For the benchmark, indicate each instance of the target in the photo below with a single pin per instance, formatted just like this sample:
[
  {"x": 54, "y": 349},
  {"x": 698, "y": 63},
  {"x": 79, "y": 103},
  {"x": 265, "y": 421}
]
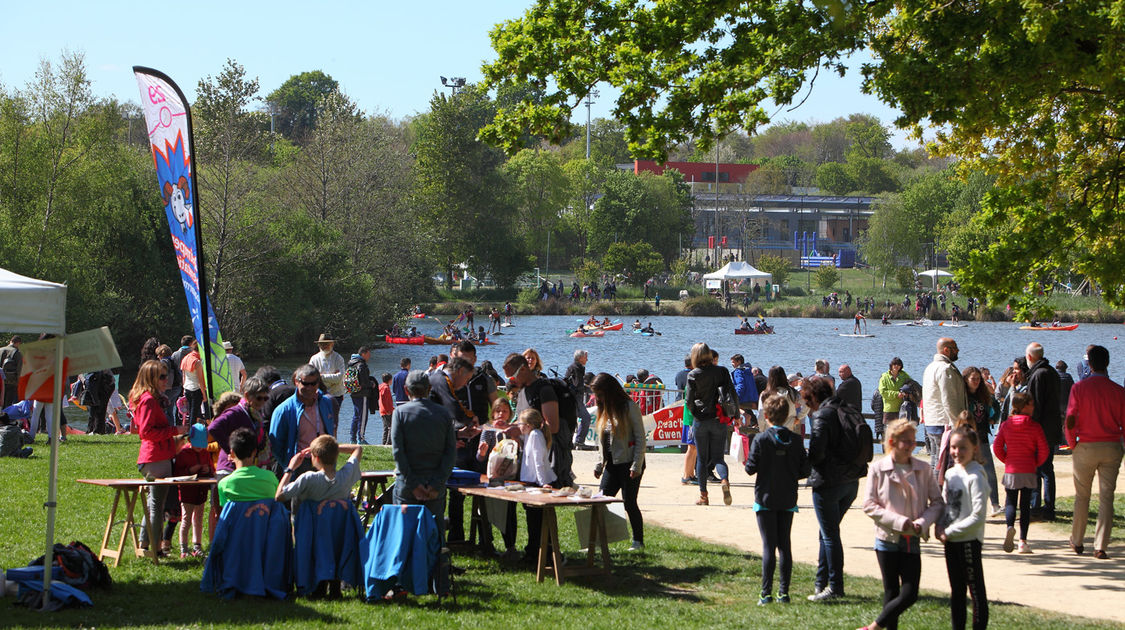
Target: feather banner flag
[{"x": 168, "y": 120}]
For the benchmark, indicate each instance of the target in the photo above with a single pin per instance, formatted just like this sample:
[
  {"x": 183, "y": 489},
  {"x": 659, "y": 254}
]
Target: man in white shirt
[
  {"x": 943, "y": 396},
  {"x": 237, "y": 367},
  {"x": 331, "y": 367}
]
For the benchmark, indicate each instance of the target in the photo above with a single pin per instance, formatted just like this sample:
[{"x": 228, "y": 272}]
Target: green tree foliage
[
  {"x": 872, "y": 175},
  {"x": 833, "y": 178},
  {"x": 826, "y": 277},
  {"x": 461, "y": 193},
  {"x": 867, "y": 138},
  {"x": 891, "y": 237},
  {"x": 296, "y": 102},
  {"x": 653, "y": 207},
  {"x": 539, "y": 189},
  {"x": 1028, "y": 92},
  {"x": 637, "y": 262},
  {"x": 776, "y": 266}
]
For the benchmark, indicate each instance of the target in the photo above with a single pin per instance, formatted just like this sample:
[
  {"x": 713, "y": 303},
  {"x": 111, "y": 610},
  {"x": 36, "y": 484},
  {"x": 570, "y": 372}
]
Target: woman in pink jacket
[
  {"x": 1022, "y": 446},
  {"x": 158, "y": 440},
  {"x": 904, "y": 499}
]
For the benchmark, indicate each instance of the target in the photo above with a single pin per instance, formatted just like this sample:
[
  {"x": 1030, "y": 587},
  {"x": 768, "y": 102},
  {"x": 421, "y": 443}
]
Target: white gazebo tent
[
  {"x": 934, "y": 274},
  {"x": 739, "y": 270},
  {"x": 36, "y": 306}
]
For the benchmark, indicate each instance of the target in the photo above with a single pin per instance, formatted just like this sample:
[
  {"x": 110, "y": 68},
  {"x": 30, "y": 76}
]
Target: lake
[{"x": 798, "y": 342}]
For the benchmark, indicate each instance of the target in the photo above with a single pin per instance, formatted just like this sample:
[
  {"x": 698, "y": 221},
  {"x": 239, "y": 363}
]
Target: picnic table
[
  {"x": 372, "y": 484},
  {"x": 130, "y": 490},
  {"x": 549, "y": 533}
]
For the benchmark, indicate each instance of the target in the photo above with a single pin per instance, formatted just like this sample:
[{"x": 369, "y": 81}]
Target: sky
[{"x": 387, "y": 56}]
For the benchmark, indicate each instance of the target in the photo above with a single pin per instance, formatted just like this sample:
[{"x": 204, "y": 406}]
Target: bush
[
  {"x": 776, "y": 266},
  {"x": 826, "y": 277},
  {"x": 905, "y": 278},
  {"x": 703, "y": 306},
  {"x": 529, "y": 295}
]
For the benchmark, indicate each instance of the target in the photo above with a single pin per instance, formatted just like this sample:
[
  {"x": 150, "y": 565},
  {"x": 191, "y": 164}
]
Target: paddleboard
[
  {"x": 854, "y": 335},
  {"x": 506, "y": 325},
  {"x": 944, "y": 325}
]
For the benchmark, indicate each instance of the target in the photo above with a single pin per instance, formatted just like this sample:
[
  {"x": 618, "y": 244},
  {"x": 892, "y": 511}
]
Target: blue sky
[{"x": 388, "y": 56}]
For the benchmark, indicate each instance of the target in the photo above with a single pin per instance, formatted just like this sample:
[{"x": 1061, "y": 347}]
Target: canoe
[
  {"x": 578, "y": 334},
  {"x": 1068, "y": 327},
  {"x": 407, "y": 341},
  {"x": 743, "y": 331},
  {"x": 419, "y": 316},
  {"x": 617, "y": 326},
  {"x": 436, "y": 341}
]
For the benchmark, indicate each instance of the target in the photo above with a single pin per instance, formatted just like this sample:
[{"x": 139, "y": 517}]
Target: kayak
[
  {"x": 638, "y": 331},
  {"x": 617, "y": 326},
  {"x": 743, "y": 331},
  {"x": 408, "y": 341},
  {"x": 1068, "y": 327},
  {"x": 578, "y": 334},
  {"x": 419, "y": 316},
  {"x": 436, "y": 341}
]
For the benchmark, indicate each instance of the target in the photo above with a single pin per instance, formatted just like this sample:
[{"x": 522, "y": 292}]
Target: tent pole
[{"x": 53, "y": 481}]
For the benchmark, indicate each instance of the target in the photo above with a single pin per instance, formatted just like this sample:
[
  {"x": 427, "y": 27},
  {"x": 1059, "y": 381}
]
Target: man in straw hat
[
  {"x": 237, "y": 367},
  {"x": 331, "y": 367}
]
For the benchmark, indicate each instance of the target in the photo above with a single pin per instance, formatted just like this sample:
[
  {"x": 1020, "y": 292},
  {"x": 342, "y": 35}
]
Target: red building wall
[{"x": 694, "y": 171}]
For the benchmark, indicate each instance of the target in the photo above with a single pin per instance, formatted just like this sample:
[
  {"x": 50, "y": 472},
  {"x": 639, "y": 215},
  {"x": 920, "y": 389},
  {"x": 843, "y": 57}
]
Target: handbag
[{"x": 728, "y": 403}]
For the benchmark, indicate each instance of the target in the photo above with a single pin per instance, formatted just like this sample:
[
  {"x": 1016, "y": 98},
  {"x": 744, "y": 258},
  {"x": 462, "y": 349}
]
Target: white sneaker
[
  {"x": 637, "y": 546},
  {"x": 997, "y": 512},
  {"x": 1024, "y": 547},
  {"x": 1010, "y": 540}
]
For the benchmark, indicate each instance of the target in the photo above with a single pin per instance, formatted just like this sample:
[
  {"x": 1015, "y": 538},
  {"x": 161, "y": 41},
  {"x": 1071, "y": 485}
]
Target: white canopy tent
[
  {"x": 36, "y": 306},
  {"x": 934, "y": 274},
  {"x": 739, "y": 270}
]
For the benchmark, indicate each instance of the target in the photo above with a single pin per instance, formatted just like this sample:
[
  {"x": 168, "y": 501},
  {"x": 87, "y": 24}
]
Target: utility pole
[{"x": 589, "y": 101}]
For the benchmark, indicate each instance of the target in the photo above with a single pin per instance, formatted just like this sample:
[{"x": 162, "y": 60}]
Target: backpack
[
  {"x": 80, "y": 566},
  {"x": 568, "y": 404},
  {"x": 175, "y": 378},
  {"x": 11, "y": 366},
  {"x": 504, "y": 461},
  {"x": 856, "y": 437},
  {"x": 351, "y": 379}
]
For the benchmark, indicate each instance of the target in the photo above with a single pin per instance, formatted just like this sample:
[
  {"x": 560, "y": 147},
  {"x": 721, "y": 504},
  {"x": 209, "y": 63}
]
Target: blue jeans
[
  {"x": 359, "y": 417},
  {"x": 990, "y": 470},
  {"x": 831, "y": 503},
  {"x": 933, "y": 445},
  {"x": 1044, "y": 495},
  {"x": 583, "y": 424},
  {"x": 710, "y": 436}
]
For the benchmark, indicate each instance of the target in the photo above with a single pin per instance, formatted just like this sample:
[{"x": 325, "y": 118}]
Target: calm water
[{"x": 795, "y": 347}]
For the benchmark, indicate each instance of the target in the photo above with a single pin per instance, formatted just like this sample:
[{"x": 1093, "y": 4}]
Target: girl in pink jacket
[
  {"x": 1022, "y": 446},
  {"x": 904, "y": 499}
]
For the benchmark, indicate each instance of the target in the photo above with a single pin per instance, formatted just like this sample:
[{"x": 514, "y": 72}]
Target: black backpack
[
  {"x": 11, "y": 366},
  {"x": 80, "y": 566},
  {"x": 568, "y": 405},
  {"x": 857, "y": 440}
]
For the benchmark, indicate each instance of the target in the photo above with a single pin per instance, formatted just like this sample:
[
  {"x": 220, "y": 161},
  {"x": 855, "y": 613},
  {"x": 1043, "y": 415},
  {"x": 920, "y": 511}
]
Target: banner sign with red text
[{"x": 168, "y": 120}]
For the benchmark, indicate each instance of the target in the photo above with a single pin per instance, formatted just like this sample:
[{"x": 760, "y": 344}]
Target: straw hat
[
  {"x": 228, "y": 346},
  {"x": 325, "y": 338}
]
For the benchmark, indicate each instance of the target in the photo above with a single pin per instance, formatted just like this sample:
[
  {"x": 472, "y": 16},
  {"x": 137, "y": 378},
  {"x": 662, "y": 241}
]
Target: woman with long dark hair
[
  {"x": 778, "y": 383},
  {"x": 984, "y": 411},
  {"x": 704, "y": 382},
  {"x": 621, "y": 446}
]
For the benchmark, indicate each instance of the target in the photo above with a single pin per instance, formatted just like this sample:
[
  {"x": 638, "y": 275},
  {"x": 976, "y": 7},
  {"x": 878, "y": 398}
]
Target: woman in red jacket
[
  {"x": 158, "y": 441},
  {"x": 1022, "y": 446}
]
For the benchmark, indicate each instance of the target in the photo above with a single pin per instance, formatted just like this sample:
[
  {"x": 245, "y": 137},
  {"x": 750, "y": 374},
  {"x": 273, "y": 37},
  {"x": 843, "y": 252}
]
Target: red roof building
[{"x": 698, "y": 171}]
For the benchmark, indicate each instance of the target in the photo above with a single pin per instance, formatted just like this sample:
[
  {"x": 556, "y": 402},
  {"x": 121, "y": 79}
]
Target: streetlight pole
[
  {"x": 453, "y": 83},
  {"x": 589, "y": 102}
]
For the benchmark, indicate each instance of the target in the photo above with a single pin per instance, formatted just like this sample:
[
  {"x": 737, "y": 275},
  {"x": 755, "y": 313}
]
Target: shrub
[
  {"x": 905, "y": 278},
  {"x": 528, "y": 295},
  {"x": 704, "y": 305},
  {"x": 776, "y": 266},
  {"x": 826, "y": 277}
]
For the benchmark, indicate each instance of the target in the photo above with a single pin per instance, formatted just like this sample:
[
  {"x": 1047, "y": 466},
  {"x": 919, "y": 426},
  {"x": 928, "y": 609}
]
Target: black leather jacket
[
  {"x": 703, "y": 389},
  {"x": 828, "y": 468}
]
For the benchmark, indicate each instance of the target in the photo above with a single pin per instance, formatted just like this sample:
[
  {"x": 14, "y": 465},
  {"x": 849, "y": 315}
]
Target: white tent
[
  {"x": 36, "y": 306},
  {"x": 934, "y": 274},
  {"x": 738, "y": 270}
]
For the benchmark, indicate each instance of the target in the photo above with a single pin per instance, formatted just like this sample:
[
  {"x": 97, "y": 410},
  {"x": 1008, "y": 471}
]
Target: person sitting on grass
[
  {"x": 247, "y": 482},
  {"x": 13, "y": 440},
  {"x": 325, "y": 483}
]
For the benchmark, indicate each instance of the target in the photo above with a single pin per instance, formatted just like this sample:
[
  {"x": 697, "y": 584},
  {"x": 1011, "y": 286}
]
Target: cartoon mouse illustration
[{"x": 178, "y": 195}]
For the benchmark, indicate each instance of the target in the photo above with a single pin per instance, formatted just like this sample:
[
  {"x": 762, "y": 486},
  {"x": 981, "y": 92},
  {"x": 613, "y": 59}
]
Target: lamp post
[
  {"x": 453, "y": 83},
  {"x": 589, "y": 101}
]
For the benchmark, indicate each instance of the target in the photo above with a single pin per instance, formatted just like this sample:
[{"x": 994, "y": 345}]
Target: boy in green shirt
[{"x": 247, "y": 482}]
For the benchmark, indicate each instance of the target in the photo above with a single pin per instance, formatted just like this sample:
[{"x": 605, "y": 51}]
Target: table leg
[
  {"x": 551, "y": 528},
  {"x": 597, "y": 524},
  {"x": 478, "y": 523},
  {"x": 107, "y": 551}
]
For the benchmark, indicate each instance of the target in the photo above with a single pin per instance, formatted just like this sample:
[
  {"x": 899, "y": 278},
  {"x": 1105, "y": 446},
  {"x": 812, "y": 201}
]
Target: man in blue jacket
[{"x": 298, "y": 420}]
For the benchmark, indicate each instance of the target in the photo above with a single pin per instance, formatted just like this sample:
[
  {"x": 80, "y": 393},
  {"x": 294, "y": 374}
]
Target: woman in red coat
[{"x": 158, "y": 441}]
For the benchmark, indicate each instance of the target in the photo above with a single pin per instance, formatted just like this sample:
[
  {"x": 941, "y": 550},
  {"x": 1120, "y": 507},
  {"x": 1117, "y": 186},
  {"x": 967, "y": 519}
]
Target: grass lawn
[
  {"x": 1064, "y": 514},
  {"x": 678, "y": 583}
]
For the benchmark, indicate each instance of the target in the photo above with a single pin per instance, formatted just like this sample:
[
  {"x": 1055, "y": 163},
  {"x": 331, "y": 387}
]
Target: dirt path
[{"x": 1052, "y": 577}]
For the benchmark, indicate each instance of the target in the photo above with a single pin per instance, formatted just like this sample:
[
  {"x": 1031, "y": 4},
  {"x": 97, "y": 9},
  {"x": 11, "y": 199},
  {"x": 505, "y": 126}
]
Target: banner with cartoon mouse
[{"x": 168, "y": 120}]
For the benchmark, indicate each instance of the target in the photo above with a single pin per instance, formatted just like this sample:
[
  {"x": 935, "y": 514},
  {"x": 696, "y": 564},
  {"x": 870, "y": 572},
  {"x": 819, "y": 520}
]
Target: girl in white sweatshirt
[{"x": 962, "y": 527}]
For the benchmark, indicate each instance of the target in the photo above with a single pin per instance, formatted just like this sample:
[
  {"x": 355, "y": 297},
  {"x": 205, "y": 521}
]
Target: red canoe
[
  {"x": 407, "y": 341},
  {"x": 419, "y": 315},
  {"x": 743, "y": 331},
  {"x": 1068, "y": 327}
]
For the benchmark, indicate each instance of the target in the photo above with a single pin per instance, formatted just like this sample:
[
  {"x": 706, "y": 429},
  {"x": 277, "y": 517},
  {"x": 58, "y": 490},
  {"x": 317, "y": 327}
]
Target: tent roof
[
  {"x": 737, "y": 270},
  {"x": 936, "y": 273},
  {"x": 30, "y": 305}
]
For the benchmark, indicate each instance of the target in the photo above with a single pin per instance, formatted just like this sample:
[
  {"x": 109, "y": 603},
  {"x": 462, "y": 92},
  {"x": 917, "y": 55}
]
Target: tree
[
  {"x": 826, "y": 277},
  {"x": 637, "y": 262},
  {"x": 655, "y": 208},
  {"x": 776, "y": 266},
  {"x": 463, "y": 199},
  {"x": 834, "y": 179},
  {"x": 871, "y": 175},
  {"x": 539, "y": 189},
  {"x": 891, "y": 237},
  {"x": 295, "y": 103},
  {"x": 1026, "y": 91}
]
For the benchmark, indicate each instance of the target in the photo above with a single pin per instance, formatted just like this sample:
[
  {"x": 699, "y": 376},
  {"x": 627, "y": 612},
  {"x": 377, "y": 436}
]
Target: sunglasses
[{"x": 309, "y": 383}]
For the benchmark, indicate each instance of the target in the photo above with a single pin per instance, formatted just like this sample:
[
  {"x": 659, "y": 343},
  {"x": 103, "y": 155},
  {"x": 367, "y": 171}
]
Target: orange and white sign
[{"x": 87, "y": 351}]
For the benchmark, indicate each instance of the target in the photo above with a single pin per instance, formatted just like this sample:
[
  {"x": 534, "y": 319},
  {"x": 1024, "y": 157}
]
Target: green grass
[
  {"x": 680, "y": 582},
  {"x": 1064, "y": 517}
]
